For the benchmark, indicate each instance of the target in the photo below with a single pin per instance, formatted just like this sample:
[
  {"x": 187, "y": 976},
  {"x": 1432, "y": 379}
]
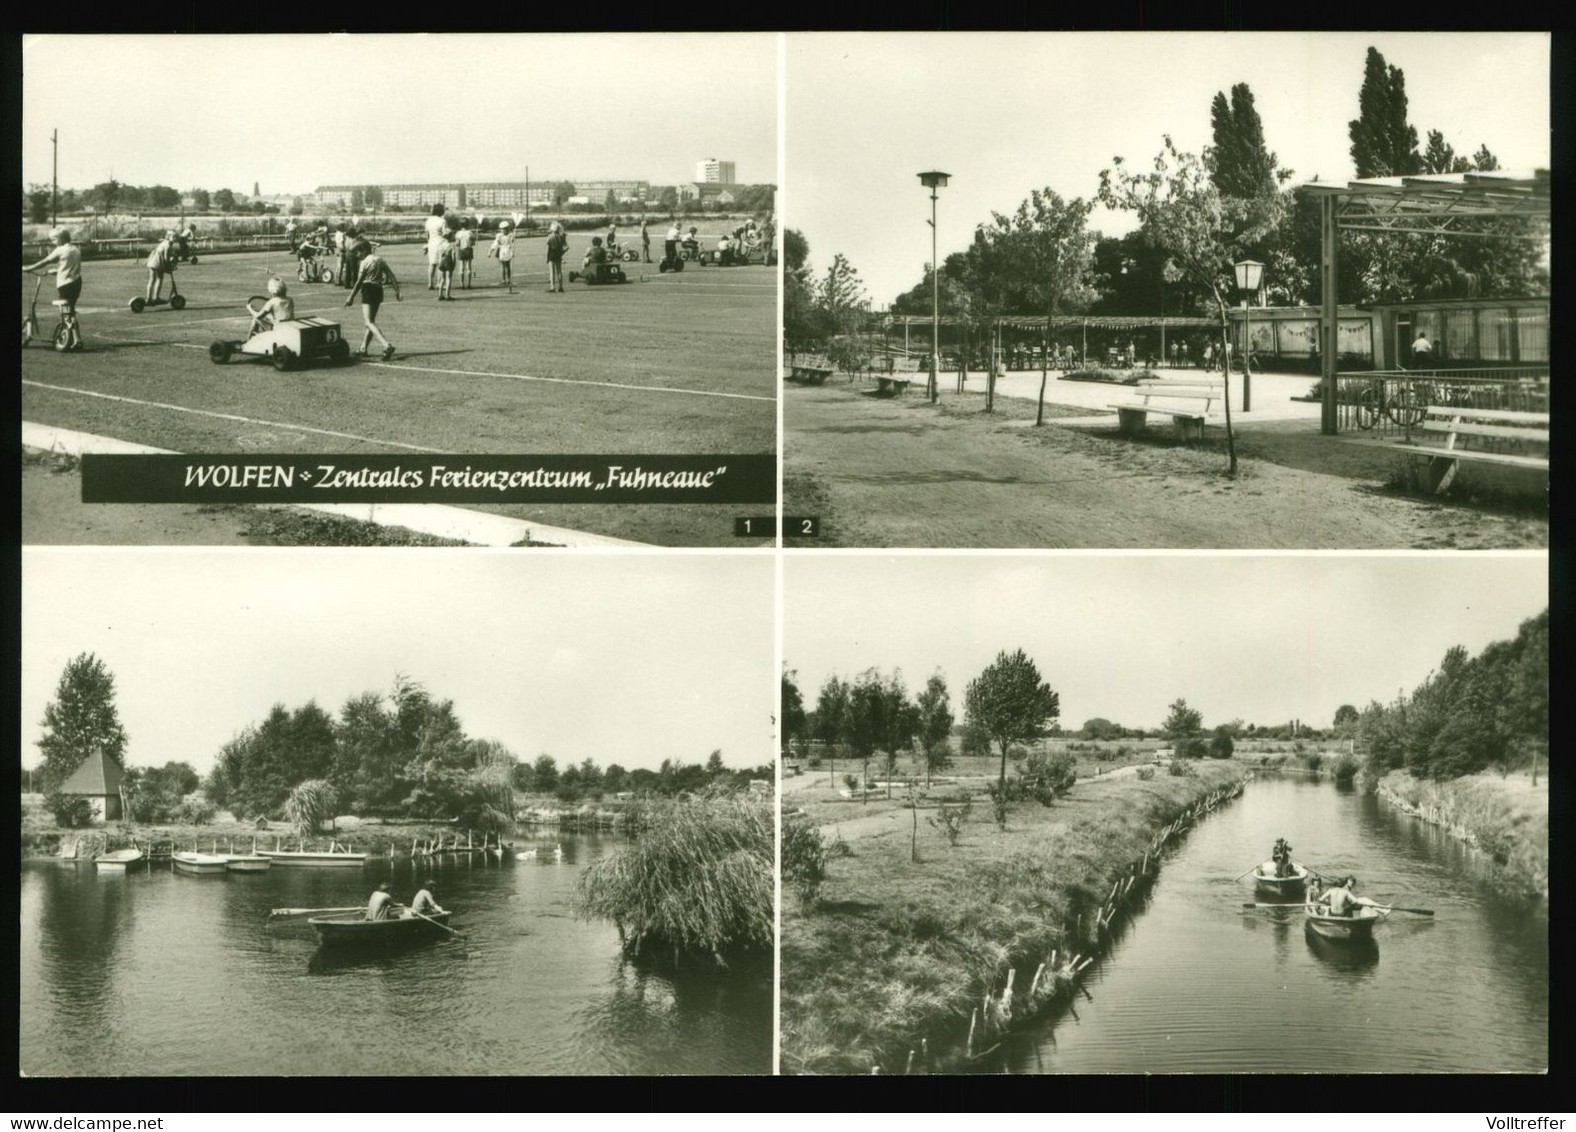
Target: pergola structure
[{"x": 1485, "y": 206}]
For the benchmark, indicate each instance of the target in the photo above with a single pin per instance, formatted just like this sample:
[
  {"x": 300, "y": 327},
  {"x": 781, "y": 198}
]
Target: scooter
[
  {"x": 30, "y": 323},
  {"x": 175, "y": 302}
]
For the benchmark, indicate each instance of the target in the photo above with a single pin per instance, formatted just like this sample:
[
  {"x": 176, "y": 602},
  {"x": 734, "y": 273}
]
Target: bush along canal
[{"x": 931, "y": 965}]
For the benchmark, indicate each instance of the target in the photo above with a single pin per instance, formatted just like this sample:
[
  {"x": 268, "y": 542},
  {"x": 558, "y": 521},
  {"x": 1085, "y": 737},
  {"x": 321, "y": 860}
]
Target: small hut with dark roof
[{"x": 98, "y": 780}]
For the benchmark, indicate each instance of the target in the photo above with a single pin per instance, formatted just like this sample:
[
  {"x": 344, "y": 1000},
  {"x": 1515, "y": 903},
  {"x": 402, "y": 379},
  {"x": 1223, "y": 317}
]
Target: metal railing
[{"x": 1393, "y": 403}]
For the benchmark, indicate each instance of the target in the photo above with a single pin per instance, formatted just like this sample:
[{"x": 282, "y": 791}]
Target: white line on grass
[
  {"x": 231, "y": 417},
  {"x": 574, "y": 381}
]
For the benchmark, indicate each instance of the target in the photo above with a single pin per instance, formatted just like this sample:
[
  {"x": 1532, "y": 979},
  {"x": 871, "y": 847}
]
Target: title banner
[{"x": 296, "y": 478}]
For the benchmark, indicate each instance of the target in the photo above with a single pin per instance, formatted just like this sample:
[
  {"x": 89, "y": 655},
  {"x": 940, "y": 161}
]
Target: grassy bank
[
  {"x": 1506, "y": 818},
  {"x": 945, "y": 953}
]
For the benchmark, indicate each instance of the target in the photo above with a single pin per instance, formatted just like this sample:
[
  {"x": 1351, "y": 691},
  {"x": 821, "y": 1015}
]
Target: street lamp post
[
  {"x": 1250, "y": 274},
  {"x": 933, "y": 181}
]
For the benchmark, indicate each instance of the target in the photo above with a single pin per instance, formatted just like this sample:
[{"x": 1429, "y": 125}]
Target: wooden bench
[
  {"x": 1501, "y": 428},
  {"x": 811, "y": 369},
  {"x": 902, "y": 374},
  {"x": 1187, "y": 401}
]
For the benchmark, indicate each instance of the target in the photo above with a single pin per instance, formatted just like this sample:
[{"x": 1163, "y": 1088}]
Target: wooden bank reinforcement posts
[{"x": 1025, "y": 994}]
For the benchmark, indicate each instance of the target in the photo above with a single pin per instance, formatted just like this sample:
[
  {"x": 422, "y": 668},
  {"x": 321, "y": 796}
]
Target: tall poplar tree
[{"x": 1383, "y": 144}]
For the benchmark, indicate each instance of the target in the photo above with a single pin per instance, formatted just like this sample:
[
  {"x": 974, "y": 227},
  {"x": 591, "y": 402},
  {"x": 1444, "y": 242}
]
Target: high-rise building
[{"x": 715, "y": 172}]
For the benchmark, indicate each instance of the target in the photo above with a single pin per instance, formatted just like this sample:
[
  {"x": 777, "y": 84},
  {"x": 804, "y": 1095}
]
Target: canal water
[
  {"x": 1195, "y": 983},
  {"x": 153, "y": 972}
]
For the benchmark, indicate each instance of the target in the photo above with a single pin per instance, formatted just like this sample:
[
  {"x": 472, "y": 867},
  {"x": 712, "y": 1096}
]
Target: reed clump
[{"x": 696, "y": 882}]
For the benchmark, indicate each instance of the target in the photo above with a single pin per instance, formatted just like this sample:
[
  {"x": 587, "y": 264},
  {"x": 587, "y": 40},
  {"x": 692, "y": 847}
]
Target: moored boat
[
  {"x": 120, "y": 858},
  {"x": 357, "y": 931},
  {"x": 199, "y": 864},
  {"x": 1289, "y": 887},
  {"x": 1358, "y": 926},
  {"x": 246, "y": 862},
  {"x": 300, "y": 857}
]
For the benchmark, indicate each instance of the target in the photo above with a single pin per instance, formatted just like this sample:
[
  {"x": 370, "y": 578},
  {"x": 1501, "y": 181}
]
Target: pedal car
[
  {"x": 288, "y": 344},
  {"x": 599, "y": 274}
]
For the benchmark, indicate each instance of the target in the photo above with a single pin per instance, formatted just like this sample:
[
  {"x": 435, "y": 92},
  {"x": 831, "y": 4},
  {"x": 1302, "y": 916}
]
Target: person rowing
[
  {"x": 1340, "y": 897},
  {"x": 1281, "y": 855},
  {"x": 424, "y": 904},
  {"x": 381, "y": 906}
]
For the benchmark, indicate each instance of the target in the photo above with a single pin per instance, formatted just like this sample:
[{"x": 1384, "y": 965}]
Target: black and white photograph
[
  {"x": 328, "y": 813},
  {"x": 400, "y": 245},
  {"x": 1165, "y": 815},
  {"x": 1192, "y": 290}
]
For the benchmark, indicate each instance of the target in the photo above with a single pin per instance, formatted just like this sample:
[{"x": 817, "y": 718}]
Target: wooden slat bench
[
  {"x": 811, "y": 369},
  {"x": 1186, "y": 401},
  {"x": 1504, "y": 428},
  {"x": 903, "y": 373}
]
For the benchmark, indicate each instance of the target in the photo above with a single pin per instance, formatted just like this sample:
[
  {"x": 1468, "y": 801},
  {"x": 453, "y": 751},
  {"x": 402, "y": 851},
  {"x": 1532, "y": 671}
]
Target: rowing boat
[
  {"x": 356, "y": 930},
  {"x": 198, "y": 864},
  {"x": 119, "y": 858},
  {"x": 1358, "y": 926},
  {"x": 302, "y": 859},
  {"x": 246, "y": 862},
  {"x": 1290, "y": 887}
]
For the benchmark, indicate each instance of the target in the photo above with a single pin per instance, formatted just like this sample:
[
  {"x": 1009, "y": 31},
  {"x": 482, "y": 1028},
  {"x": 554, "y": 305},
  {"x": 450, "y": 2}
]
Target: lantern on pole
[
  {"x": 934, "y": 180},
  {"x": 1250, "y": 276}
]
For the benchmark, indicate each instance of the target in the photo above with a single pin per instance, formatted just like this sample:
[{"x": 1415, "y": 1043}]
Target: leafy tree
[
  {"x": 545, "y": 773},
  {"x": 1011, "y": 704},
  {"x": 358, "y": 199},
  {"x": 841, "y": 294},
  {"x": 106, "y": 195},
  {"x": 372, "y": 196},
  {"x": 201, "y": 200},
  {"x": 1484, "y": 160},
  {"x": 831, "y": 718},
  {"x": 309, "y": 805},
  {"x": 1440, "y": 156},
  {"x": 796, "y": 250},
  {"x": 934, "y": 725},
  {"x": 615, "y": 779},
  {"x": 792, "y": 708},
  {"x": 714, "y": 764},
  {"x": 39, "y": 198},
  {"x": 562, "y": 191},
  {"x": 1239, "y": 163},
  {"x": 876, "y": 719},
  {"x": 1383, "y": 143},
  {"x": 1183, "y": 721},
  {"x": 162, "y": 196},
  {"x": 1041, "y": 254},
  {"x": 224, "y": 200},
  {"x": 668, "y": 201},
  {"x": 1346, "y": 716},
  {"x": 81, "y": 720},
  {"x": 1202, "y": 231},
  {"x": 1221, "y": 744},
  {"x": 1098, "y": 728}
]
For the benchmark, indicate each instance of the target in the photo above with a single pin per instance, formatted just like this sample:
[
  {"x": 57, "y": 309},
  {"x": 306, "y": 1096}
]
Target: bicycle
[{"x": 1405, "y": 407}]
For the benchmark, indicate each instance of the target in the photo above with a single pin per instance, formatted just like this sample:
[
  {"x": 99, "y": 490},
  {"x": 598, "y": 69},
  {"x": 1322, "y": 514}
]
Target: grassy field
[
  {"x": 671, "y": 364},
  {"x": 898, "y": 472},
  {"x": 896, "y": 951}
]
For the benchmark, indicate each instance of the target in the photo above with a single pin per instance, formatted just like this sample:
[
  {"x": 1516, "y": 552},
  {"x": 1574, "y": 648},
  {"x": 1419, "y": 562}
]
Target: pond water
[
  {"x": 1196, "y": 983},
  {"x": 153, "y": 972}
]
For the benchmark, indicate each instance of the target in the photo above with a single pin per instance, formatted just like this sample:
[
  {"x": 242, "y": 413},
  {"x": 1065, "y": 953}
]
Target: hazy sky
[
  {"x": 1005, "y": 113},
  {"x": 1267, "y": 638},
  {"x": 628, "y": 659},
  {"x": 296, "y": 111}
]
